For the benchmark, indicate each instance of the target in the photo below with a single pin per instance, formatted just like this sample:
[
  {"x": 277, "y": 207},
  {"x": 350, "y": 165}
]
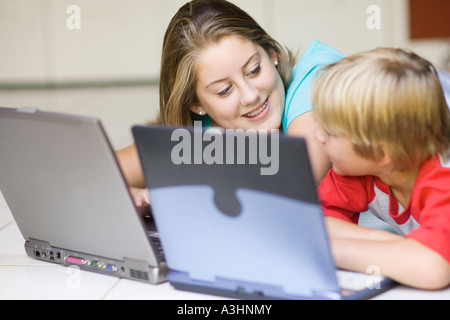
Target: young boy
[{"x": 386, "y": 130}]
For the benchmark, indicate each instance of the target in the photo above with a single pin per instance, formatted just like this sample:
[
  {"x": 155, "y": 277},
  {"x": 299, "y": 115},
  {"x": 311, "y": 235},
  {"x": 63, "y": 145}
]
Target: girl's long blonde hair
[{"x": 194, "y": 27}]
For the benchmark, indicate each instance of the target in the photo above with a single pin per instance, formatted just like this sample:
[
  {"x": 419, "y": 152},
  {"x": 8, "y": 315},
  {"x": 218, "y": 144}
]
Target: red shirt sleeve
[
  {"x": 430, "y": 207},
  {"x": 345, "y": 197}
]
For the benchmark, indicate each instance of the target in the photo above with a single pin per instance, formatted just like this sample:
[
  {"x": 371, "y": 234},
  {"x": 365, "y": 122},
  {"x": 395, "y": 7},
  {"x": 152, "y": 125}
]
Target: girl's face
[{"x": 238, "y": 85}]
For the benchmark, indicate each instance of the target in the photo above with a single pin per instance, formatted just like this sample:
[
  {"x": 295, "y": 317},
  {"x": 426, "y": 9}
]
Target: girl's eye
[
  {"x": 225, "y": 91},
  {"x": 255, "y": 71}
]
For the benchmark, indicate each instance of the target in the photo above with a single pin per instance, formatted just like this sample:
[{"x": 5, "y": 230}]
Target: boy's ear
[{"x": 384, "y": 158}]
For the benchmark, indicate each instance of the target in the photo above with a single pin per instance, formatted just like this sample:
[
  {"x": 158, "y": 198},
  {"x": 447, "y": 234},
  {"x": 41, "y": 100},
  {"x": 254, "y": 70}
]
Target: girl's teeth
[{"x": 254, "y": 114}]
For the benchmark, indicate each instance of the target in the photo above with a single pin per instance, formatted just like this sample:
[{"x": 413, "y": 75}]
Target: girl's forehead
[
  {"x": 228, "y": 47},
  {"x": 229, "y": 54}
]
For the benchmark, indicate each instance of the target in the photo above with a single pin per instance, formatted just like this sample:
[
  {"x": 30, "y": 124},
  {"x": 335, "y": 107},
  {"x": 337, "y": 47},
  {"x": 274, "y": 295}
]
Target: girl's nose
[{"x": 250, "y": 95}]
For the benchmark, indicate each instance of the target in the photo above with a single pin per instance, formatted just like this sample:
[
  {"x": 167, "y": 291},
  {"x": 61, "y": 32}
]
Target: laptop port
[
  {"x": 111, "y": 267},
  {"x": 75, "y": 260}
]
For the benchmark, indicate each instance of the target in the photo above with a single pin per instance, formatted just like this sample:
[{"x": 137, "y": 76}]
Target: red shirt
[{"x": 425, "y": 219}]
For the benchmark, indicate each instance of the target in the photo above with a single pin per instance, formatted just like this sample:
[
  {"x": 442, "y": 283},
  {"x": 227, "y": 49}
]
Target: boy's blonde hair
[{"x": 387, "y": 97}]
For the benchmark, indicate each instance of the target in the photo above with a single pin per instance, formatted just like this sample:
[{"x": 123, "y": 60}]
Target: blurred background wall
[{"x": 102, "y": 57}]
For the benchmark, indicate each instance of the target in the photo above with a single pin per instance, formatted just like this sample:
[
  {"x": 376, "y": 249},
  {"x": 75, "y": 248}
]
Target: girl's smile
[{"x": 238, "y": 85}]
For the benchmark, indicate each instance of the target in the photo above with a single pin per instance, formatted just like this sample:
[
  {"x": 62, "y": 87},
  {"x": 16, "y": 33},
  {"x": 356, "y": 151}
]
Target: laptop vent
[{"x": 139, "y": 274}]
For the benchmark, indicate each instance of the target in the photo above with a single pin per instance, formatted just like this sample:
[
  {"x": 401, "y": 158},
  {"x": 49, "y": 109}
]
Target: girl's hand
[{"x": 141, "y": 199}]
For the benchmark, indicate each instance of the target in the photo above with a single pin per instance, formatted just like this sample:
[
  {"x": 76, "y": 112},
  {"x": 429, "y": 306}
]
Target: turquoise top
[{"x": 298, "y": 96}]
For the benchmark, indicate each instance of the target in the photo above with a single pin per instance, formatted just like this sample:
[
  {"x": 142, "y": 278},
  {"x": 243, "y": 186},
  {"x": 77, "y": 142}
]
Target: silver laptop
[
  {"x": 239, "y": 216},
  {"x": 63, "y": 185}
]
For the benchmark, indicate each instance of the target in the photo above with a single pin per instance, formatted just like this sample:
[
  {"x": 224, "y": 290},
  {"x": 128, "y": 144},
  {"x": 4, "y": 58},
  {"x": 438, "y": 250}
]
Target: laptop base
[
  {"x": 128, "y": 268},
  {"x": 243, "y": 290},
  {"x": 220, "y": 292},
  {"x": 363, "y": 295},
  {"x": 228, "y": 289}
]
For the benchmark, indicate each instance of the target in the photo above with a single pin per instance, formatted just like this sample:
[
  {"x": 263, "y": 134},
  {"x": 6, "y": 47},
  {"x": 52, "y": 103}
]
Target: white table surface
[{"x": 24, "y": 278}]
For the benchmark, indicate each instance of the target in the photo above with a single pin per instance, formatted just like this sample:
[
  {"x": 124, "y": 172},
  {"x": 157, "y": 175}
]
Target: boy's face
[{"x": 344, "y": 159}]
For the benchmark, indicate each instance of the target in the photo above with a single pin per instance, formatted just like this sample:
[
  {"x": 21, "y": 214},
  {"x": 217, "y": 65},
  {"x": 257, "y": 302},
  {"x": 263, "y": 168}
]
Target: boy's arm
[
  {"x": 416, "y": 260},
  {"x": 345, "y": 197},
  {"x": 338, "y": 228},
  {"x": 401, "y": 259}
]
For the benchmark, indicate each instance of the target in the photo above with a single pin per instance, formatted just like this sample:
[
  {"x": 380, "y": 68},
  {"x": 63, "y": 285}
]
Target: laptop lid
[
  {"x": 63, "y": 185},
  {"x": 237, "y": 212}
]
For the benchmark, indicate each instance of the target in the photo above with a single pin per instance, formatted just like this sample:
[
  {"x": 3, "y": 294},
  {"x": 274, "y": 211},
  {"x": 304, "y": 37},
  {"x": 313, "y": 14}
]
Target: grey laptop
[
  {"x": 63, "y": 185},
  {"x": 238, "y": 216}
]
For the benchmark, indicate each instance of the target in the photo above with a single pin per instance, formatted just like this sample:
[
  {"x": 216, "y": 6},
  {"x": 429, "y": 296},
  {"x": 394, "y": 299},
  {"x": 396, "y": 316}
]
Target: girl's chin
[{"x": 267, "y": 123}]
